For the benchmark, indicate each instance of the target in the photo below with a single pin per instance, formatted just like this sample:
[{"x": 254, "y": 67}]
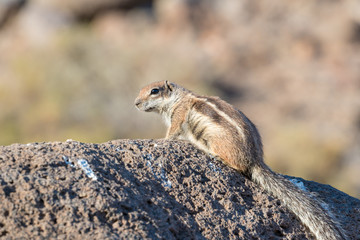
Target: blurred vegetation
[
  {"x": 309, "y": 156},
  {"x": 68, "y": 72}
]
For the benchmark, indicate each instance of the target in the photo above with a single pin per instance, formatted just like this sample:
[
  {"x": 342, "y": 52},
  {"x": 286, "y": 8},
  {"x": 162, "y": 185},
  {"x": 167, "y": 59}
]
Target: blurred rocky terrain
[
  {"x": 72, "y": 69},
  {"x": 143, "y": 189}
]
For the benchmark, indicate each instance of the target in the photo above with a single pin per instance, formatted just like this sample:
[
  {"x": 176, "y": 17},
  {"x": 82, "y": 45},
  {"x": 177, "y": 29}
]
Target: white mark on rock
[
  {"x": 84, "y": 165},
  {"x": 68, "y": 161},
  {"x": 299, "y": 184},
  {"x": 165, "y": 181},
  {"x": 148, "y": 157},
  {"x": 148, "y": 163},
  {"x": 157, "y": 170},
  {"x": 121, "y": 150},
  {"x": 325, "y": 206},
  {"x": 214, "y": 168}
]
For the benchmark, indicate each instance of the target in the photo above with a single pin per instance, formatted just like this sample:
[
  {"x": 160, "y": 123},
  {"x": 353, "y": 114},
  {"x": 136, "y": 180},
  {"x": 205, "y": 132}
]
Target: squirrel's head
[{"x": 155, "y": 97}]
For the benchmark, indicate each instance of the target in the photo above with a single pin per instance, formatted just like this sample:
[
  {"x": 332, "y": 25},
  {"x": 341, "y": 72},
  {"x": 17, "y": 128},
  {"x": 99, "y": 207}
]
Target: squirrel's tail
[{"x": 306, "y": 208}]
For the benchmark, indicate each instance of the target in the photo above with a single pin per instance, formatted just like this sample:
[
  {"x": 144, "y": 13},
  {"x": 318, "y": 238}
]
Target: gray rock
[{"x": 136, "y": 189}]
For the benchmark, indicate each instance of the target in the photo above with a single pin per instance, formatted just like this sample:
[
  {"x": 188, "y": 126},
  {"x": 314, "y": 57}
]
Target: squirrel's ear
[{"x": 168, "y": 85}]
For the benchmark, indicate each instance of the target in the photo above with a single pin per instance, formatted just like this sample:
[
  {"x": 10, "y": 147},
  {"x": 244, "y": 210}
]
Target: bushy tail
[{"x": 306, "y": 208}]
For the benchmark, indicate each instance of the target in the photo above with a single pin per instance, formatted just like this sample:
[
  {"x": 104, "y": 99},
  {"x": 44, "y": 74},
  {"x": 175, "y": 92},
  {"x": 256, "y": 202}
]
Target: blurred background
[{"x": 72, "y": 69}]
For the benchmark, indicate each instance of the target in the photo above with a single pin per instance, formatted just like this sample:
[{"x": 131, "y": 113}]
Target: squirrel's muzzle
[{"x": 137, "y": 103}]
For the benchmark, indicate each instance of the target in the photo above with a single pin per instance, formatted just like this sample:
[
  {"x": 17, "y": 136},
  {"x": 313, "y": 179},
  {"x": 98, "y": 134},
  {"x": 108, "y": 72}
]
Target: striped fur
[{"x": 219, "y": 129}]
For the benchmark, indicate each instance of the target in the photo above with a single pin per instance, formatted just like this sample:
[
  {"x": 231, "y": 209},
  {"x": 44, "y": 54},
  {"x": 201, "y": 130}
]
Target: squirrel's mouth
[
  {"x": 143, "y": 106},
  {"x": 150, "y": 109}
]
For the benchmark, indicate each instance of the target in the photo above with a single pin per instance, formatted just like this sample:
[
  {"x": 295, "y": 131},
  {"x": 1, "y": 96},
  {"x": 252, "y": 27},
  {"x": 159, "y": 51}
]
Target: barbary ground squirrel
[{"x": 219, "y": 129}]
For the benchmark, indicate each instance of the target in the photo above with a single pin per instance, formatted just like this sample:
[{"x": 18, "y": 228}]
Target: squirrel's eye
[{"x": 154, "y": 91}]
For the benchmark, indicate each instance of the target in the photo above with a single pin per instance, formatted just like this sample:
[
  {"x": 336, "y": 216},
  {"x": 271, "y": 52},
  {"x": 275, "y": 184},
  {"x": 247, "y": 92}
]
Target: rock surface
[{"x": 137, "y": 189}]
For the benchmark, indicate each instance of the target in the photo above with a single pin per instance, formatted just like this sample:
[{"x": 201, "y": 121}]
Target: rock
[{"x": 137, "y": 189}]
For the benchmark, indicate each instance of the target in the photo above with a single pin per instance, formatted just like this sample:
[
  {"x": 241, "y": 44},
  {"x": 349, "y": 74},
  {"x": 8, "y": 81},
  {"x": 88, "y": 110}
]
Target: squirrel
[{"x": 220, "y": 130}]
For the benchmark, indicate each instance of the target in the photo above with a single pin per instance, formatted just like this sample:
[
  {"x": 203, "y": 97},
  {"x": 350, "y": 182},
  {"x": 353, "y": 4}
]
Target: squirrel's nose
[{"x": 137, "y": 102}]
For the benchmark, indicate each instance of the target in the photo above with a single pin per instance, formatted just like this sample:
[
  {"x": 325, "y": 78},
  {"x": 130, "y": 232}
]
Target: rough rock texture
[{"x": 136, "y": 189}]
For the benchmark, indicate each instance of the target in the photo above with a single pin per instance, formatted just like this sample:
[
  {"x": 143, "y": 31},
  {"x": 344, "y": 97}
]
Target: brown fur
[{"x": 219, "y": 129}]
